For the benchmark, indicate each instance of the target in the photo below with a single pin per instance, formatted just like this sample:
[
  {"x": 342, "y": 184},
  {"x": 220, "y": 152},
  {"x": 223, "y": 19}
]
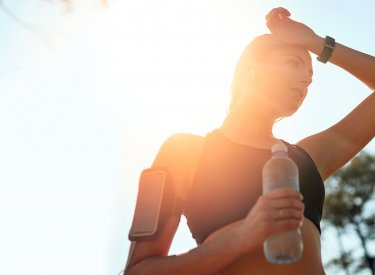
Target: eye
[{"x": 293, "y": 62}]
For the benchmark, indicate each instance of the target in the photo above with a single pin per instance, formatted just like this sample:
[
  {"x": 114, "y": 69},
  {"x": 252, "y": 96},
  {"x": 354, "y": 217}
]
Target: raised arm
[
  {"x": 335, "y": 146},
  {"x": 359, "y": 64}
]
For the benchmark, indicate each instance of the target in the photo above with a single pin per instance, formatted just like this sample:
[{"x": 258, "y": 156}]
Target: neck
[{"x": 250, "y": 128}]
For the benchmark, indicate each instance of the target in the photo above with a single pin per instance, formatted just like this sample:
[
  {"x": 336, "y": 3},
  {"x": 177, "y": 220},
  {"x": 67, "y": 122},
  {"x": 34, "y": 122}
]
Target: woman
[{"x": 219, "y": 176}]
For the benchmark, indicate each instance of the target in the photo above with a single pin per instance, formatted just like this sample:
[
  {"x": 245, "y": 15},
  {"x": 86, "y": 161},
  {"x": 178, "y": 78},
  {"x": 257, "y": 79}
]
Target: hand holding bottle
[
  {"x": 279, "y": 172},
  {"x": 278, "y": 210}
]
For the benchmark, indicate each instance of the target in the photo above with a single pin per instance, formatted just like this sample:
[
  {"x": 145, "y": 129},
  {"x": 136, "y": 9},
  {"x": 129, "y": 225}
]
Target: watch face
[
  {"x": 330, "y": 46},
  {"x": 330, "y": 42}
]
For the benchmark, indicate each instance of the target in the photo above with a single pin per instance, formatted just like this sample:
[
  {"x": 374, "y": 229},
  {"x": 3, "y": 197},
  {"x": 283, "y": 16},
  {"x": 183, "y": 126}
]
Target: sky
[{"x": 88, "y": 96}]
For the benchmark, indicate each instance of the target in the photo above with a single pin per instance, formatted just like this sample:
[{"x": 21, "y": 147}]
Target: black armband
[{"x": 156, "y": 202}]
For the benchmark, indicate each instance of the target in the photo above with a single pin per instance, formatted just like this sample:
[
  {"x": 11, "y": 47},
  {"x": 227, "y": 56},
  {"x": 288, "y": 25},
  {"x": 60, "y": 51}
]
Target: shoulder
[
  {"x": 182, "y": 139},
  {"x": 177, "y": 147},
  {"x": 179, "y": 155}
]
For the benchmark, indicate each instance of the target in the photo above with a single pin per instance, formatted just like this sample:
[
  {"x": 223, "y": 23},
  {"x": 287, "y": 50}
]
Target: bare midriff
[{"x": 255, "y": 262}]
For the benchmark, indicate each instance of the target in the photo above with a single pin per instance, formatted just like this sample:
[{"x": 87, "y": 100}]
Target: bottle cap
[{"x": 279, "y": 147}]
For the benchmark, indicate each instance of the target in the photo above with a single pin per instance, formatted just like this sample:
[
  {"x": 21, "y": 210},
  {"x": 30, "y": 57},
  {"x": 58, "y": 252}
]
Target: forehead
[{"x": 288, "y": 50}]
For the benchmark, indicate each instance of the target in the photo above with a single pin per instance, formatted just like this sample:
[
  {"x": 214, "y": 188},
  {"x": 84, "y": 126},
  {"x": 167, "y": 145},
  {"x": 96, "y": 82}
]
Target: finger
[
  {"x": 287, "y": 214},
  {"x": 277, "y": 11},
  {"x": 273, "y": 23},
  {"x": 289, "y": 202},
  {"x": 276, "y": 18},
  {"x": 284, "y": 192}
]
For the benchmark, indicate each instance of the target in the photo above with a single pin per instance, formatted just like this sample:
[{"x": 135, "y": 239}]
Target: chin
[{"x": 287, "y": 111}]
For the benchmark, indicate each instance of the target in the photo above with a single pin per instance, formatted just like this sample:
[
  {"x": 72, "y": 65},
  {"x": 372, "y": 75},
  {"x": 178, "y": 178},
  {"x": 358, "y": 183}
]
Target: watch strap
[{"x": 329, "y": 45}]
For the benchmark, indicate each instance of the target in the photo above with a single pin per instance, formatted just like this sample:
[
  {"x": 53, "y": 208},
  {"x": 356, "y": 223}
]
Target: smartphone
[{"x": 148, "y": 209}]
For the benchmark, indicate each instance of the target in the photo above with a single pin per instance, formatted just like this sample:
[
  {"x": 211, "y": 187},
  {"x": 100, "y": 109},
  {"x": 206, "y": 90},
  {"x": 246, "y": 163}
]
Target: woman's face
[{"x": 282, "y": 81}]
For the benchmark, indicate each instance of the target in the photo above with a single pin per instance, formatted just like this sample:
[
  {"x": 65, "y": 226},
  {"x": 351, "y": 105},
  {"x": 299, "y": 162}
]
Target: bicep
[
  {"x": 174, "y": 157},
  {"x": 335, "y": 146}
]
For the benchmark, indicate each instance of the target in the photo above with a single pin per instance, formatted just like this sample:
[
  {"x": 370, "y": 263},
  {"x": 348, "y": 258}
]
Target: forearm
[
  {"x": 359, "y": 64},
  {"x": 208, "y": 258}
]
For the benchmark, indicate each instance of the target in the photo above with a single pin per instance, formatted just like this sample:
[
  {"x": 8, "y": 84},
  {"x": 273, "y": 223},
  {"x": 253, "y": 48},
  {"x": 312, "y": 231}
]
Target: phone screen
[{"x": 148, "y": 206}]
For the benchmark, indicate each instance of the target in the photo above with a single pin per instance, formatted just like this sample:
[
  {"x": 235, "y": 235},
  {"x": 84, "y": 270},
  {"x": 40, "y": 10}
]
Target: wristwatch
[{"x": 329, "y": 45}]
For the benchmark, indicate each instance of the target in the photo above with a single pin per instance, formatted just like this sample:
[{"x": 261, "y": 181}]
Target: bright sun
[{"x": 163, "y": 78}]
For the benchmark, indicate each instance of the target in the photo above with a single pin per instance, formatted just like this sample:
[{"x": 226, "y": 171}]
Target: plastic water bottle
[{"x": 284, "y": 247}]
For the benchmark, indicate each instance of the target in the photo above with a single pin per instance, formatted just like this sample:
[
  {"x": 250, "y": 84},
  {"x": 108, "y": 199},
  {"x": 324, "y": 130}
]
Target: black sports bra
[{"x": 228, "y": 181}]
